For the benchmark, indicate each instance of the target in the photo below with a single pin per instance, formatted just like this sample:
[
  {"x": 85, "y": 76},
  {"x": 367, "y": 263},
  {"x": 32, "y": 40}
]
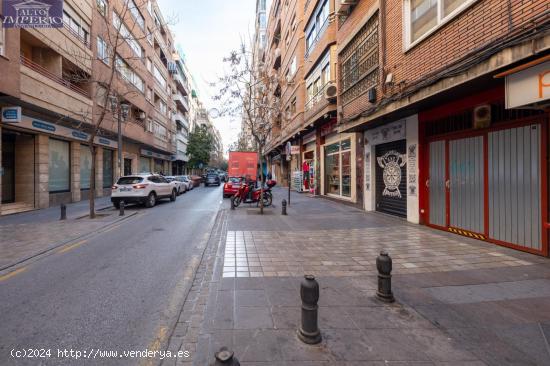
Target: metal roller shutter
[{"x": 391, "y": 178}]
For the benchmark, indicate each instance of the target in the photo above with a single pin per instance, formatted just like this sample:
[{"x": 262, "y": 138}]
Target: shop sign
[
  {"x": 328, "y": 127},
  {"x": 294, "y": 149},
  {"x": 11, "y": 114},
  {"x": 411, "y": 161},
  {"x": 146, "y": 152},
  {"x": 529, "y": 87},
  {"x": 32, "y": 14},
  {"x": 42, "y": 126},
  {"x": 387, "y": 133}
]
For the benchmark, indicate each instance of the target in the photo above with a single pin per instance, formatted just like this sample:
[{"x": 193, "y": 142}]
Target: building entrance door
[{"x": 8, "y": 166}]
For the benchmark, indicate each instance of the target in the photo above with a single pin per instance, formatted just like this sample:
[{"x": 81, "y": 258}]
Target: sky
[{"x": 206, "y": 31}]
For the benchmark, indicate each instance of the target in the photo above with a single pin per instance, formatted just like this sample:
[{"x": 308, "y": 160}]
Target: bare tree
[
  {"x": 252, "y": 91},
  {"x": 121, "y": 37}
]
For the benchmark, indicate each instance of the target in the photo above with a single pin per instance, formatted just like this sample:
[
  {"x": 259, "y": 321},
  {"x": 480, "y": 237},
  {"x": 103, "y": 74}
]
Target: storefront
[
  {"x": 337, "y": 169},
  {"x": 309, "y": 163},
  {"x": 484, "y": 171},
  {"x": 155, "y": 162},
  {"x": 391, "y": 169}
]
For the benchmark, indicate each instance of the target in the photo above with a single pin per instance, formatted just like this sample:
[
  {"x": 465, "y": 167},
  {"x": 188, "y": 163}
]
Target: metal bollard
[
  {"x": 225, "y": 357},
  {"x": 309, "y": 292},
  {"x": 121, "y": 208},
  {"x": 283, "y": 208},
  {"x": 63, "y": 212},
  {"x": 232, "y": 202},
  {"x": 384, "y": 266}
]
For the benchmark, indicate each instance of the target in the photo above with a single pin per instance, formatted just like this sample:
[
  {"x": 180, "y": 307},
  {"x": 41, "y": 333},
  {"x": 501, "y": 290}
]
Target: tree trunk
[
  {"x": 92, "y": 180},
  {"x": 261, "y": 181}
]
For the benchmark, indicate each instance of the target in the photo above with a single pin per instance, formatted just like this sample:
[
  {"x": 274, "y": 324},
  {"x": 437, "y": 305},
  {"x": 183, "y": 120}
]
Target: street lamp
[{"x": 122, "y": 108}]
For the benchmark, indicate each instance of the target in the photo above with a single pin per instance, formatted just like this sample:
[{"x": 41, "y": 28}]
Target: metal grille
[
  {"x": 359, "y": 61},
  {"x": 392, "y": 204},
  {"x": 515, "y": 186}
]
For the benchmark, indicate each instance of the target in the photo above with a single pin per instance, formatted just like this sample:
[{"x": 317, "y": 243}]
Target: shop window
[
  {"x": 59, "y": 169},
  {"x": 338, "y": 168},
  {"x": 423, "y": 17},
  {"x": 107, "y": 168},
  {"x": 144, "y": 165},
  {"x": 85, "y": 166}
]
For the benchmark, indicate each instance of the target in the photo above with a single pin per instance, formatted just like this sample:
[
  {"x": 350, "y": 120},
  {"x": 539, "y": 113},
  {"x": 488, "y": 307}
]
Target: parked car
[
  {"x": 231, "y": 186},
  {"x": 184, "y": 180},
  {"x": 180, "y": 186},
  {"x": 142, "y": 188},
  {"x": 212, "y": 178}
]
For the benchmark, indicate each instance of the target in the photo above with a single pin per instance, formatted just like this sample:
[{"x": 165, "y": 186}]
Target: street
[{"x": 120, "y": 290}]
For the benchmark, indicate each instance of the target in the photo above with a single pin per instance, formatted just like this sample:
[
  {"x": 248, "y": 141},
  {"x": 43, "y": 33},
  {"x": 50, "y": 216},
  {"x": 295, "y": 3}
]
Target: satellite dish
[{"x": 214, "y": 113}]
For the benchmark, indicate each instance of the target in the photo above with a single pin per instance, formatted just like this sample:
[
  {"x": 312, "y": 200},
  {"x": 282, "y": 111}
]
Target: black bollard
[
  {"x": 225, "y": 357},
  {"x": 283, "y": 208},
  {"x": 63, "y": 212},
  {"x": 384, "y": 266},
  {"x": 232, "y": 202},
  {"x": 309, "y": 292},
  {"x": 121, "y": 208}
]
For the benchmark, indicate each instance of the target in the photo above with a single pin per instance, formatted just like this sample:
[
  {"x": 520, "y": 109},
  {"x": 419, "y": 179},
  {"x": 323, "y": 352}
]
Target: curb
[{"x": 60, "y": 244}]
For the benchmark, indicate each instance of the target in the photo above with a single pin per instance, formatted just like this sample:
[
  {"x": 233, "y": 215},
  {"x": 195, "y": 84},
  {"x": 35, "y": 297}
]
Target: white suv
[{"x": 142, "y": 188}]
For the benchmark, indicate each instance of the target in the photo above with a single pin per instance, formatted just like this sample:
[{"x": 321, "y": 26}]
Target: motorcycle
[{"x": 249, "y": 194}]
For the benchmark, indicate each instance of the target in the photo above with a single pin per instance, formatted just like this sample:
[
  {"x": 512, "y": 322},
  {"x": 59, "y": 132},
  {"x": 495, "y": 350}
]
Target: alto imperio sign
[{"x": 32, "y": 13}]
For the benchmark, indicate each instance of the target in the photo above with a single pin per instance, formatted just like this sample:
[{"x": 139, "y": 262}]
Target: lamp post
[{"x": 121, "y": 109}]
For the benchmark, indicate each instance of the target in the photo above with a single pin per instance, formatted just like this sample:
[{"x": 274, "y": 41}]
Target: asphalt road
[{"x": 120, "y": 290}]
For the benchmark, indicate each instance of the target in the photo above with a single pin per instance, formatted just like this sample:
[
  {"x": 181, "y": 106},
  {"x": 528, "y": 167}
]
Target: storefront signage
[
  {"x": 391, "y": 163},
  {"x": 146, "y": 152},
  {"x": 294, "y": 149},
  {"x": 11, "y": 114},
  {"x": 387, "y": 133},
  {"x": 328, "y": 127},
  {"x": 411, "y": 161},
  {"x": 529, "y": 88},
  {"x": 367, "y": 171},
  {"x": 32, "y": 14},
  {"x": 42, "y": 126}
]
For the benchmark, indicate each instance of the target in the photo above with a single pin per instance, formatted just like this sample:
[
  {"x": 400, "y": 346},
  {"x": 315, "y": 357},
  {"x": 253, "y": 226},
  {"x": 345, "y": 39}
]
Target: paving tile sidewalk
[
  {"x": 28, "y": 234},
  {"x": 459, "y": 301}
]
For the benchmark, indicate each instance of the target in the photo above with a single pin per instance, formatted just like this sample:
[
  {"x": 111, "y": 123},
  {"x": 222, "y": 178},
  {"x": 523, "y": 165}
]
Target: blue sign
[
  {"x": 11, "y": 114},
  {"x": 104, "y": 142},
  {"x": 43, "y": 126},
  {"x": 80, "y": 135}
]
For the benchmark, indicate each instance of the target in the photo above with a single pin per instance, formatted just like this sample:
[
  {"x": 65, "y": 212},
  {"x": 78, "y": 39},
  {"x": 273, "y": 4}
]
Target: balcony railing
[
  {"x": 77, "y": 35},
  {"x": 319, "y": 96},
  {"x": 45, "y": 72}
]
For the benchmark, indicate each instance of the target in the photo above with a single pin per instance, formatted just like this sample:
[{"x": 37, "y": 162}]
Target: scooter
[{"x": 249, "y": 194}]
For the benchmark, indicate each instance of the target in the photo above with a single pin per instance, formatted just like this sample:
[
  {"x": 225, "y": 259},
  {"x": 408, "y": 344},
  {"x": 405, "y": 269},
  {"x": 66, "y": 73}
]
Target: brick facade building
[{"x": 441, "y": 115}]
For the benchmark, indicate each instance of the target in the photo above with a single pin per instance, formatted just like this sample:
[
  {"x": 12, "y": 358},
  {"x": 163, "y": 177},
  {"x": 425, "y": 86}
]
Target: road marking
[
  {"x": 11, "y": 274},
  {"x": 155, "y": 346},
  {"x": 111, "y": 228},
  {"x": 72, "y": 246}
]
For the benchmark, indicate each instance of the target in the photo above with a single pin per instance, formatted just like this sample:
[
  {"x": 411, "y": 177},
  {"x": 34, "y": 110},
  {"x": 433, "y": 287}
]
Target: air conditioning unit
[
  {"x": 331, "y": 92},
  {"x": 344, "y": 6},
  {"x": 482, "y": 116},
  {"x": 290, "y": 79},
  {"x": 141, "y": 115}
]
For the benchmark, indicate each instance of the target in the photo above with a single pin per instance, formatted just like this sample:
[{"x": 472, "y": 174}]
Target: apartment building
[
  {"x": 54, "y": 83},
  {"x": 181, "y": 115},
  {"x": 440, "y": 116}
]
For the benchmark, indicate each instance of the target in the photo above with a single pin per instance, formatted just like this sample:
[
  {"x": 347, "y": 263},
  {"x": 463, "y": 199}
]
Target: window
[
  {"x": 317, "y": 24},
  {"x": 293, "y": 106},
  {"x": 162, "y": 106},
  {"x": 338, "y": 168},
  {"x": 293, "y": 67},
  {"x": 127, "y": 35},
  {"x": 85, "y": 166},
  {"x": 159, "y": 130},
  {"x": 107, "y": 168},
  {"x": 101, "y": 7},
  {"x": 127, "y": 73},
  {"x": 317, "y": 81},
  {"x": 136, "y": 14},
  {"x": 76, "y": 25},
  {"x": 359, "y": 62},
  {"x": 159, "y": 77},
  {"x": 103, "y": 50},
  {"x": 59, "y": 171},
  {"x": 422, "y": 17},
  {"x": 262, "y": 21},
  {"x": 100, "y": 96},
  {"x": 150, "y": 36},
  {"x": 2, "y": 41}
]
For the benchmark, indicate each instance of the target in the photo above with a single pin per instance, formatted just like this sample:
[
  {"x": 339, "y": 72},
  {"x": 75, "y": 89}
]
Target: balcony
[
  {"x": 181, "y": 119},
  {"x": 181, "y": 101},
  {"x": 181, "y": 83},
  {"x": 79, "y": 37},
  {"x": 44, "y": 88}
]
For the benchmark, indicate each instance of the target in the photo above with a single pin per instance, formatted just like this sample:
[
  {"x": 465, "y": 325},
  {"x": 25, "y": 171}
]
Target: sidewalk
[
  {"x": 26, "y": 235},
  {"x": 459, "y": 301}
]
